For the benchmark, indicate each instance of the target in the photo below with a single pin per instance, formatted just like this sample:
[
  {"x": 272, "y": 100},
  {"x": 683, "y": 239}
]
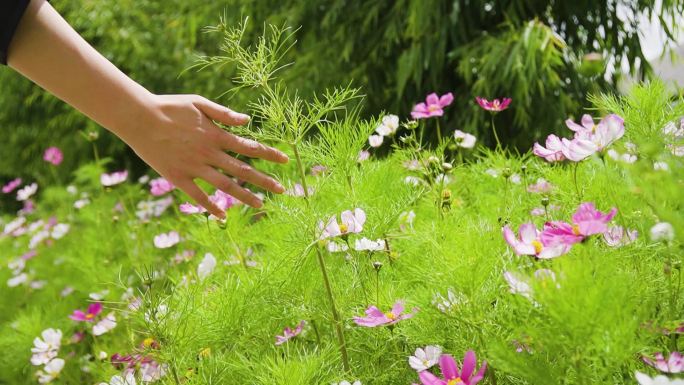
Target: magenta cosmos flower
[
  {"x": 553, "y": 152},
  {"x": 53, "y": 155},
  {"x": 160, "y": 186},
  {"x": 451, "y": 373},
  {"x": 674, "y": 364},
  {"x": 289, "y": 334},
  {"x": 352, "y": 222},
  {"x": 433, "y": 106},
  {"x": 529, "y": 242},
  {"x": 495, "y": 105},
  {"x": 11, "y": 186},
  {"x": 114, "y": 178},
  {"x": 89, "y": 316},
  {"x": 586, "y": 221},
  {"x": 374, "y": 317}
]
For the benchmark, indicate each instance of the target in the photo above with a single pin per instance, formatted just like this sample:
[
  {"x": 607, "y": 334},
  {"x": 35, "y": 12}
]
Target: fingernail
[{"x": 279, "y": 187}]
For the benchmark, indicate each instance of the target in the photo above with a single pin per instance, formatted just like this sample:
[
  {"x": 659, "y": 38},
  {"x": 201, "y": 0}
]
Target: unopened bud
[
  {"x": 545, "y": 201},
  {"x": 377, "y": 265},
  {"x": 506, "y": 172},
  {"x": 93, "y": 135},
  {"x": 447, "y": 166}
]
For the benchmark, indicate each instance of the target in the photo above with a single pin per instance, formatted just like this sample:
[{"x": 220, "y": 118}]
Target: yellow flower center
[
  {"x": 576, "y": 230},
  {"x": 537, "y": 246},
  {"x": 455, "y": 381},
  {"x": 206, "y": 352},
  {"x": 147, "y": 342},
  {"x": 344, "y": 228},
  {"x": 90, "y": 316},
  {"x": 433, "y": 108},
  {"x": 391, "y": 316}
]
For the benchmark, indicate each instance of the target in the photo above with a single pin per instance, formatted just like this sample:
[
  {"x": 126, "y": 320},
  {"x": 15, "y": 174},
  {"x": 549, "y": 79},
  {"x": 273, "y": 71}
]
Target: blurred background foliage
[{"x": 546, "y": 55}]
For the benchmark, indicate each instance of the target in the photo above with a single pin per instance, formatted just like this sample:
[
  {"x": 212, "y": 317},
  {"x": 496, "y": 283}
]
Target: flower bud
[
  {"x": 545, "y": 201},
  {"x": 377, "y": 265}
]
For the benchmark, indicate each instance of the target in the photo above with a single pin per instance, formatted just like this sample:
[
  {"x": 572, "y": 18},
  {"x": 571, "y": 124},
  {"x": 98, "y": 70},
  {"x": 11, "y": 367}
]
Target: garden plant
[{"x": 391, "y": 258}]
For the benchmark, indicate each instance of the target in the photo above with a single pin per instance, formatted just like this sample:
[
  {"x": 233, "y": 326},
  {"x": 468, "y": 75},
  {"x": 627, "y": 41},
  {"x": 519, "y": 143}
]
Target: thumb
[{"x": 220, "y": 113}]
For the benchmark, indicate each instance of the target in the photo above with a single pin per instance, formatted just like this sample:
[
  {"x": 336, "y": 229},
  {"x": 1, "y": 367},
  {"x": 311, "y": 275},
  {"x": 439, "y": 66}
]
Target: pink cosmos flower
[
  {"x": 352, "y": 222},
  {"x": 318, "y": 170},
  {"x": 451, "y": 374},
  {"x": 53, "y": 155},
  {"x": 586, "y": 221},
  {"x": 219, "y": 198},
  {"x": 519, "y": 284},
  {"x": 588, "y": 142},
  {"x": 11, "y": 186},
  {"x": 495, "y": 105},
  {"x": 586, "y": 128},
  {"x": 363, "y": 156},
  {"x": 617, "y": 236},
  {"x": 298, "y": 190},
  {"x": 553, "y": 152},
  {"x": 674, "y": 364},
  {"x": 530, "y": 242},
  {"x": 160, "y": 186},
  {"x": 540, "y": 211},
  {"x": 166, "y": 240},
  {"x": 374, "y": 317},
  {"x": 114, "y": 178},
  {"x": 542, "y": 186},
  {"x": 433, "y": 106},
  {"x": 89, "y": 316},
  {"x": 288, "y": 333},
  {"x": 375, "y": 140}
]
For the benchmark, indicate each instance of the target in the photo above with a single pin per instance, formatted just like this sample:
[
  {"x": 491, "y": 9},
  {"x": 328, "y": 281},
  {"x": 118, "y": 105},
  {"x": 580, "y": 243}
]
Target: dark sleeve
[{"x": 11, "y": 12}]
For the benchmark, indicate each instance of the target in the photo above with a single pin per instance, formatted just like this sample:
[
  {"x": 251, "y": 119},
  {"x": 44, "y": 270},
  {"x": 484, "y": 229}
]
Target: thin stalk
[
  {"x": 439, "y": 133},
  {"x": 324, "y": 272},
  {"x": 574, "y": 178},
  {"x": 496, "y": 137}
]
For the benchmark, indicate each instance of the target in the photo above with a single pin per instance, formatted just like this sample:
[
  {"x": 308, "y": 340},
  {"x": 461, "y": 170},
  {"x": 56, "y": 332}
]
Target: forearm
[{"x": 48, "y": 51}]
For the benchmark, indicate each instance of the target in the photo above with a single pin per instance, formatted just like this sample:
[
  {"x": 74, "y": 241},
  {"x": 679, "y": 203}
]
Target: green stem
[
  {"x": 496, "y": 137},
  {"x": 574, "y": 177},
  {"x": 439, "y": 133},
  {"x": 324, "y": 272}
]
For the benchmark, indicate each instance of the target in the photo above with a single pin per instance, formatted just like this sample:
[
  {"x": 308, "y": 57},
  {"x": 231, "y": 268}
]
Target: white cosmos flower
[
  {"x": 465, "y": 140},
  {"x": 14, "y": 225},
  {"x": 207, "y": 266},
  {"x": 27, "y": 191},
  {"x": 50, "y": 371},
  {"x": 106, "y": 324},
  {"x": 166, "y": 240},
  {"x": 59, "y": 230},
  {"x": 375, "y": 140},
  {"x": 644, "y": 379},
  {"x": 662, "y": 231},
  {"x": 424, "y": 359},
  {"x": 661, "y": 166},
  {"x": 389, "y": 125},
  {"x": 46, "y": 348},
  {"x": 365, "y": 244},
  {"x": 17, "y": 280},
  {"x": 127, "y": 379}
]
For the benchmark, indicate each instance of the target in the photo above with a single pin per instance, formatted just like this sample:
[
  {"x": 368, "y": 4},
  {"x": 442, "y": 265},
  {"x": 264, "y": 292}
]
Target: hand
[{"x": 176, "y": 135}]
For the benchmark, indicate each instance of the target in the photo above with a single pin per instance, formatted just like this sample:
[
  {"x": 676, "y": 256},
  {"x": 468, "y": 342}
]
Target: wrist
[{"x": 132, "y": 115}]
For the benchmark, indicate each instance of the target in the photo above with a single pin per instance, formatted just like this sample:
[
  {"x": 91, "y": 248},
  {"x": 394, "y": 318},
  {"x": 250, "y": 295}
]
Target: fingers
[
  {"x": 189, "y": 187},
  {"x": 229, "y": 186},
  {"x": 252, "y": 148},
  {"x": 220, "y": 113},
  {"x": 247, "y": 173}
]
